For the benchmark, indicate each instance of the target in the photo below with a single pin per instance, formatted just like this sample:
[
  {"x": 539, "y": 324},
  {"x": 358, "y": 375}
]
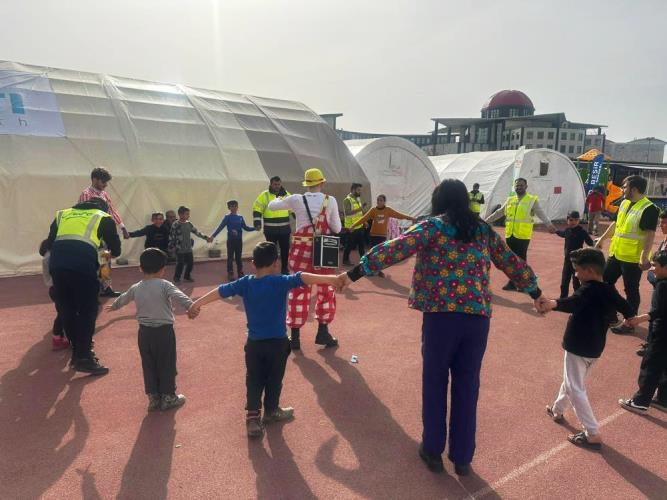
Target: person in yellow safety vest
[
  {"x": 476, "y": 199},
  {"x": 519, "y": 210},
  {"x": 632, "y": 238},
  {"x": 74, "y": 238},
  {"x": 353, "y": 211},
  {"x": 276, "y": 222}
]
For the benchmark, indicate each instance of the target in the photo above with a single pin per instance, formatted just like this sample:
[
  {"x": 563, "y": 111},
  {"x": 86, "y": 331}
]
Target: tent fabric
[
  {"x": 398, "y": 169},
  {"x": 550, "y": 175},
  {"x": 165, "y": 145}
]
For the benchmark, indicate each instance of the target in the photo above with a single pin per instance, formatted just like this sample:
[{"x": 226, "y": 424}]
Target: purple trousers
[{"x": 451, "y": 343}]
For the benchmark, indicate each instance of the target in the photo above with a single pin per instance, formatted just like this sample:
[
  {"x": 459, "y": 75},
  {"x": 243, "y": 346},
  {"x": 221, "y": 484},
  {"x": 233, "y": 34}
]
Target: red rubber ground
[{"x": 357, "y": 426}]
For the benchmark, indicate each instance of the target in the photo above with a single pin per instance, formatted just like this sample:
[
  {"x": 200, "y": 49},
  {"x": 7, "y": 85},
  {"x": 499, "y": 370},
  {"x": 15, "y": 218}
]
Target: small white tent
[
  {"x": 165, "y": 145},
  {"x": 398, "y": 169},
  {"x": 550, "y": 175}
]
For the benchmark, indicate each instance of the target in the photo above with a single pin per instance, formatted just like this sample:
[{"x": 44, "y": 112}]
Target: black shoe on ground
[
  {"x": 659, "y": 405},
  {"x": 324, "y": 338},
  {"x": 510, "y": 286},
  {"x": 294, "y": 341},
  {"x": 433, "y": 462},
  {"x": 462, "y": 469},
  {"x": 90, "y": 365},
  {"x": 177, "y": 280},
  {"x": 189, "y": 279},
  {"x": 109, "y": 292},
  {"x": 630, "y": 405},
  {"x": 622, "y": 330},
  {"x": 642, "y": 350}
]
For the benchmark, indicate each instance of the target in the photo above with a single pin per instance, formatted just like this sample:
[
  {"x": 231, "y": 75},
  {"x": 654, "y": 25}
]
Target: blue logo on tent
[{"x": 16, "y": 102}]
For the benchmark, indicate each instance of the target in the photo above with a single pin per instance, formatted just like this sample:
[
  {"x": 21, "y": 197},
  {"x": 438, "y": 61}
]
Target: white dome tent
[
  {"x": 550, "y": 175},
  {"x": 398, "y": 169},
  {"x": 165, "y": 145}
]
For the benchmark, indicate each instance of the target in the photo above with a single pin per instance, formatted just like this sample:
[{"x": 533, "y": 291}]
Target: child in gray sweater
[{"x": 157, "y": 340}]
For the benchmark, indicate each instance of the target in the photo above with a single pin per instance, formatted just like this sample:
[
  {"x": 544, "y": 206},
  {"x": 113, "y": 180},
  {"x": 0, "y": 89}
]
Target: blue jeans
[{"x": 451, "y": 342}]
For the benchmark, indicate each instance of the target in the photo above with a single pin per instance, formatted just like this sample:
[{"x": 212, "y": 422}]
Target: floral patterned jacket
[{"x": 450, "y": 275}]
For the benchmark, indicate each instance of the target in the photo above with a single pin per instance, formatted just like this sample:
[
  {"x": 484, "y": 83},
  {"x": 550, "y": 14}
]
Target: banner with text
[{"x": 28, "y": 105}]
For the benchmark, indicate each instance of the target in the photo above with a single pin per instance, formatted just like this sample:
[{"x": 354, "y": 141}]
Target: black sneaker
[
  {"x": 462, "y": 469},
  {"x": 169, "y": 401},
  {"x": 642, "y": 350},
  {"x": 177, "y": 280},
  {"x": 189, "y": 279},
  {"x": 90, "y": 365},
  {"x": 324, "y": 338},
  {"x": 433, "y": 462},
  {"x": 622, "y": 330},
  {"x": 109, "y": 292},
  {"x": 630, "y": 405},
  {"x": 659, "y": 405}
]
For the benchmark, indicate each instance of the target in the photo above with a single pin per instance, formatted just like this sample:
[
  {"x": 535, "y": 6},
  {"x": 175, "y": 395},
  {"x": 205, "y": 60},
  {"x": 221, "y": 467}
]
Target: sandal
[
  {"x": 558, "y": 418},
  {"x": 580, "y": 439}
]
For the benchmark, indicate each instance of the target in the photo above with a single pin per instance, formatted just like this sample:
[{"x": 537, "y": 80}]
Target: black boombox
[{"x": 326, "y": 251}]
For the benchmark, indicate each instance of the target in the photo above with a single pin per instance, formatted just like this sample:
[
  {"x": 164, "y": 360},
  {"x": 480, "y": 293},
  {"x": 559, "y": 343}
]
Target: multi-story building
[{"x": 646, "y": 150}]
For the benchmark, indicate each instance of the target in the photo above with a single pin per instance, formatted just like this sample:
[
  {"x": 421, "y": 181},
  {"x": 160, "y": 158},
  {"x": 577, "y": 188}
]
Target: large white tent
[
  {"x": 165, "y": 145},
  {"x": 398, "y": 169},
  {"x": 550, "y": 175}
]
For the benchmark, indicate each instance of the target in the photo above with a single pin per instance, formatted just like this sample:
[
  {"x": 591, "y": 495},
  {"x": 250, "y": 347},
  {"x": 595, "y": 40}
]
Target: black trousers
[
  {"x": 265, "y": 362},
  {"x": 58, "y": 329},
  {"x": 519, "y": 247},
  {"x": 566, "y": 276},
  {"x": 653, "y": 371},
  {"x": 157, "y": 346},
  {"x": 76, "y": 296},
  {"x": 355, "y": 239},
  {"x": 632, "y": 274},
  {"x": 376, "y": 240},
  {"x": 183, "y": 260},
  {"x": 234, "y": 251},
  {"x": 283, "y": 242}
]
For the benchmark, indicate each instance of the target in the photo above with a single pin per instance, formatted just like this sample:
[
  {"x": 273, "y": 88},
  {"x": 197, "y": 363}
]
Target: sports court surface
[{"x": 357, "y": 426}]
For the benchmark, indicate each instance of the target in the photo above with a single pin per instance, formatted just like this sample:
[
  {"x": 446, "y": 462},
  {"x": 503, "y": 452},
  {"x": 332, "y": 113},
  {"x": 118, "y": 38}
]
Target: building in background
[{"x": 508, "y": 121}]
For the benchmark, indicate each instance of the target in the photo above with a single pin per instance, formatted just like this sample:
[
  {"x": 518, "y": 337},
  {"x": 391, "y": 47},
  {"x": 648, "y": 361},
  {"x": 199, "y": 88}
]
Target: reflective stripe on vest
[
  {"x": 518, "y": 216},
  {"x": 272, "y": 218},
  {"x": 355, "y": 204},
  {"x": 475, "y": 200},
  {"x": 628, "y": 240},
  {"x": 79, "y": 225}
]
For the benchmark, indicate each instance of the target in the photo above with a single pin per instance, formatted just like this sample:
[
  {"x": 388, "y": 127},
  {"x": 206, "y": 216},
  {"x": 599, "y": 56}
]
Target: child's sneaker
[
  {"x": 630, "y": 405},
  {"x": 154, "y": 402},
  {"x": 59, "y": 343},
  {"x": 556, "y": 417},
  {"x": 254, "y": 426},
  {"x": 189, "y": 279},
  {"x": 278, "y": 415},
  {"x": 170, "y": 401}
]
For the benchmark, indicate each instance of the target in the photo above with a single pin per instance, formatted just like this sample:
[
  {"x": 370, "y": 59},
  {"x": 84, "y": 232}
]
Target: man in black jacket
[{"x": 74, "y": 239}]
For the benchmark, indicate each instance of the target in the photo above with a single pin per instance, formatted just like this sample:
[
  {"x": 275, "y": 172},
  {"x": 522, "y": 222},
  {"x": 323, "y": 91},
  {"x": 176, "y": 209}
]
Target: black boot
[
  {"x": 294, "y": 341},
  {"x": 324, "y": 338}
]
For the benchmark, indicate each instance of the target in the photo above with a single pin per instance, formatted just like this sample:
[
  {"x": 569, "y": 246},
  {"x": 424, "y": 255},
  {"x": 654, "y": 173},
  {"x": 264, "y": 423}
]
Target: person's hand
[
  {"x": 257, "y": 226},
  {"x": 126, "y": 235},
  {"x": 552, "y": 229},
  {"x": 644, "y": 265},
  {"x": 343, "y": 281},
  {"x": 209, "y": 239},
  {"x": 544, "y": 305},
  {"x": 597, "y": 243},
  {"x": 194, "y": 311}
]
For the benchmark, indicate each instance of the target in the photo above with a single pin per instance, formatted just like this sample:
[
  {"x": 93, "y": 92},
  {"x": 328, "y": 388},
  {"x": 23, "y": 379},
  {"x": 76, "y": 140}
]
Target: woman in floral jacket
[{"x": 450, "y": 285}]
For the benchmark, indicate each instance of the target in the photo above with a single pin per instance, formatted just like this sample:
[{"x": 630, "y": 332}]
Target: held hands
[
  {"x": 194, "y": 310},
  {"x": 552, "y": 229},
  {"x": 342, "y": 282},
  {"x": 126, "y": 234},
  {"x": 644, "y": 265},
  {"x": 544, "y": 305},
  {"x": 209, "y": 239}
]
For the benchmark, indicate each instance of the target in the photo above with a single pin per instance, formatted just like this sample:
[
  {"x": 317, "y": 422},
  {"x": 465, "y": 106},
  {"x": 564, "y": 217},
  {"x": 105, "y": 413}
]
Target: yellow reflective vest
[
  {"x": 79, "y": 225},
  {"x": 475, "y": 201},
  {"x": 628, "y": 240},
  {"x": 273, "y": 219},
  {"x": 519, "y": 216},
  {"x": 351, "y": 219}
]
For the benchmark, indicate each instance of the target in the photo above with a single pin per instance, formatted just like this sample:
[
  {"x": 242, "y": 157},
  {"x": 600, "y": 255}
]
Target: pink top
[{"x": 91, "y": 192}]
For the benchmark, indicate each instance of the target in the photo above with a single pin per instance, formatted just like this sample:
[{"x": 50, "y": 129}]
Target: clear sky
[{"x": 389, "y": 66}]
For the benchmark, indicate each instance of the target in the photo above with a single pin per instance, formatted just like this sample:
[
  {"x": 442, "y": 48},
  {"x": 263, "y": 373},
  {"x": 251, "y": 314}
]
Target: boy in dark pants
[
  {"x": 267, "y": 349},
  {"x": 653, "y": 370},
  {"x": 235, "y": 226},
  {"x": 156, "y": 233},
  {"x": 157, "y": 340},
  {"x": 591, "y": 307},
  {"x": 575, "y": 236},
  {"x": 181, "y": 243}
]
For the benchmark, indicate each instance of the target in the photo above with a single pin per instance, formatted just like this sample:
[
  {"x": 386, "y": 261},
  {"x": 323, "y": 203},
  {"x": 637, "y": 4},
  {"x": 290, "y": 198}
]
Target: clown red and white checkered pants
[{"x": 298, "y": 300}]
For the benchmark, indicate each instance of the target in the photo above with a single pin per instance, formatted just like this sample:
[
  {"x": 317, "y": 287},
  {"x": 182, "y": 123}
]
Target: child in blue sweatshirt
[{"x": 235, "y": 225}]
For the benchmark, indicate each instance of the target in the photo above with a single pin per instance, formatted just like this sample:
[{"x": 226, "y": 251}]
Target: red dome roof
[{"x": 509, "y": 98}]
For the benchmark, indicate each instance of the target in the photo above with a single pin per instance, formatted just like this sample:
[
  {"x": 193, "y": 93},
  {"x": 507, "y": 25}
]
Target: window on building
[
  {"x": 563, "y": 136},
  {"x": 572, "y": 135},
  {"x": 588, "y": 142},
  {"x": 529, "y": 146},
  {"x": 570, "y": 150},
  {"x": 529, "y": 134},
  {"x": 540, "y": 146},
  {"x": 495, "y": 113},
  {"x": 550, "y": 135},
  {"x": 514, "y": 112},
  {"x": 540, "y": 135},
  {"x": 580, "y": 137},
  {"x": 562, "y": 148},
  {"x": 550, "y": 146},
  {"x": 579, "y": 148}
]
